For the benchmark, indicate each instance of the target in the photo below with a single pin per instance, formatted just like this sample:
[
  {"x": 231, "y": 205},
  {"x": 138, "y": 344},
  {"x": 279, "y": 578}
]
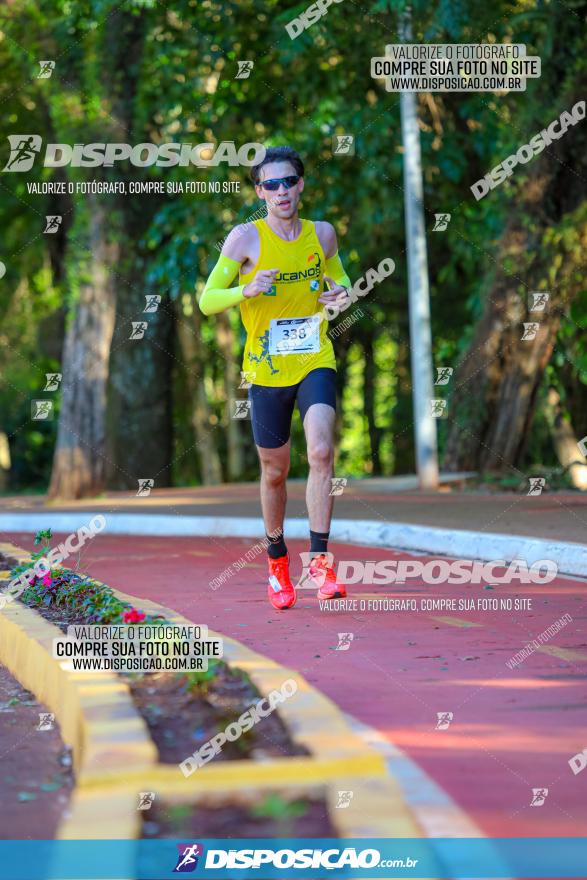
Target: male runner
[{"x": 283, "y": 262}]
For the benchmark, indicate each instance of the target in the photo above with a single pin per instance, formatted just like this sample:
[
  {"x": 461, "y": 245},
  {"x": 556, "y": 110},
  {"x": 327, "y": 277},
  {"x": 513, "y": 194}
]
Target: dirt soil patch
[
  {"x": 36, "y": 778},
  {"x": 273, "y": 818},
  {"x": 180, "y": 722}
]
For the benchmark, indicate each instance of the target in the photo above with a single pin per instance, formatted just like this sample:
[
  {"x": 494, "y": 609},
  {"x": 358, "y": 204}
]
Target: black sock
[
  {"x": 276, "y": 546},
  {"x": 318, "y": 542}
]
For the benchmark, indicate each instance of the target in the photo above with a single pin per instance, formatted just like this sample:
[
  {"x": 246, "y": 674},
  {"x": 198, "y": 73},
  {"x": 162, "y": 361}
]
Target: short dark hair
[{"x": 278, "y": 154}]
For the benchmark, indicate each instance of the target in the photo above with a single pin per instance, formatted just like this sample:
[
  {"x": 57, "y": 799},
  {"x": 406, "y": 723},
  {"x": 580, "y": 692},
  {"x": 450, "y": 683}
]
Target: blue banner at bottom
[{"x": 265, "y": 859}]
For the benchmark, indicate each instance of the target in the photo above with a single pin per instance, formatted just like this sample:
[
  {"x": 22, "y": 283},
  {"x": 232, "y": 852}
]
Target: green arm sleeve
[
  {"x": 218, "y": 295},
  {"x": 335, "y": 270}
]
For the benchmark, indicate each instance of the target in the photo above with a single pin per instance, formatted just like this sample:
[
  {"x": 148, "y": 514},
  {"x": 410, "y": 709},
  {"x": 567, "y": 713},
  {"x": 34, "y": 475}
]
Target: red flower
[{"x": 133, "y": 616}]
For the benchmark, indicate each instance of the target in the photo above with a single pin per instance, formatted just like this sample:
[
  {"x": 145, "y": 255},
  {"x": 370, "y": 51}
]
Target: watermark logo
[
  {"x": 72, "y": 544},
  {"x": 273, "y": 860},
  {"x": 441, "y": 222},
  {"x": 47, "y": 68},
  {"x": 244, "y": 69},
  {"x": 438, "y": 571},
  {"x": 541, "y": 639},
  {"x": 539, "y": 795},
  {"x": 146, "y": 799},
  {"x": 343, "y": 145},
  {"x": 538, "y": 301},
  {"x": 344, "y": 799},
  {"x": 243, "y": 561},
  {"x": 578, "y": 762},
  {"x": 152, "y": 302},
  {"x": 23, "y": 151},
  {"x": 242, "y": 409},
  {"x": 138, "y": 329},
  {"x": 310, "y": 16},
  {"x": 243, "y": 227},
  {"x": 46, "y": 721},
  {"x": 52, "y": 381},
  {"x": 25, "y": 147},
  {"x": 529, "y": 332},
  {"x": 443, "y": 375},
  {"x": 337, "y": 485},
  {"x": 438, "y": 409},
  {"x": 528, "y": 151},
  {"x": 187, "y": 860},
  {"x": 145, "y": 486},
  {"x": 537, "y": 484},
  {"x": 311, "y": 577},
  {"x": 261, "y": 709},
  {"x": 52, "y": 223},
  {"x": 443, "y": 720},
  {"x": 344, "y": 325},
  {"x": 344, "y": 641},
  {"x": 247, "y": 379},
  {"x": 361, "y": 287},
  {"x": 42, "y": 410}
]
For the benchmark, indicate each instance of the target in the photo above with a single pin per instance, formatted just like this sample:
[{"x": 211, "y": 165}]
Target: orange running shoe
[
  {"x": 323, "y": 576},
  {"x": 280, "y": 589}
]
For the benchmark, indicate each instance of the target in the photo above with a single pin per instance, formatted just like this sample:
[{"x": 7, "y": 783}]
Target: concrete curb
[
  {"x": 571, "y": 558},
  {"x": 95, "y": 712},
  {"x": 115, "y": 757}
]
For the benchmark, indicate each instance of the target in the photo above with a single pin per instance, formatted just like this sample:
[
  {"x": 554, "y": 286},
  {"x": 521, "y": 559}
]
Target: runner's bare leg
[{"x": 274, "y": 471}]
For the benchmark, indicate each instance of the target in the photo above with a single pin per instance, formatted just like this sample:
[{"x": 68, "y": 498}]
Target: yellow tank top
[{"x": 294, "y": 295}]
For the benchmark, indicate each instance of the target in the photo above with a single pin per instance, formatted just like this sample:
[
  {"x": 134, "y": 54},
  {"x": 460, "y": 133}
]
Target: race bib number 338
[{"x": 294, "y": 335}]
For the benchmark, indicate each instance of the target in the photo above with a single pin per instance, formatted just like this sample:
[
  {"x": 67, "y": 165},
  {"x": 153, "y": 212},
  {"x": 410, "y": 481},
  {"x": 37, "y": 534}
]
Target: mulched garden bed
[
  {"x": 181, "y": 721},
  {"x": 183, "y": 711},
  {"x": 273, "y": 817},
  {"x": 36, "y": 778}
]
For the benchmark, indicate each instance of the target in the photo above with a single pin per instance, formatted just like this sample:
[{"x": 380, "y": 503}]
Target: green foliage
[
  {"x": 63, "y": 588},
  {"x": 274, "y": 806},
  {"x": 147, "y": 71},
  {"x": 198, "y": 681}
]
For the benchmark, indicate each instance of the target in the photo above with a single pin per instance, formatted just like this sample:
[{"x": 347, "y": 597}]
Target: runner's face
[{"x": 282, "y": 203}]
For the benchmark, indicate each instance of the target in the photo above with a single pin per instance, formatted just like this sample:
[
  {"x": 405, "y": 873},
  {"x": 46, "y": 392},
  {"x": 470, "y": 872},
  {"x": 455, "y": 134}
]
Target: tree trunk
[
  {"x": 565, "y": 441},
  {"x": 205, "y": 437},
  {"x": 79, "y": 459},
  {"x": 496, "y": 384},
  {"x": 140, "y": 406},
  {"x": 369, "y": 398},
  {"x": 232, "y": 378}
]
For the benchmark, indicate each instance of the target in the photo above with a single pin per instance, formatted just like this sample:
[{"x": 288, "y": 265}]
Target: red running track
[{"x": 512, "y": 731}]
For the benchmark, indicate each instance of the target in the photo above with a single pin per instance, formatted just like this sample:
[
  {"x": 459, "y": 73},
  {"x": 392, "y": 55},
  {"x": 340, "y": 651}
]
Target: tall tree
[{"x": 79, "y": 464}]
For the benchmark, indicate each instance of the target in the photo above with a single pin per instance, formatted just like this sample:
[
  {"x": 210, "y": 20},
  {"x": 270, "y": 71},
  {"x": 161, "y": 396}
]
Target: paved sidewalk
[
  {"x": 560, "y": 516},
  {"x": 513, "y": 730}
]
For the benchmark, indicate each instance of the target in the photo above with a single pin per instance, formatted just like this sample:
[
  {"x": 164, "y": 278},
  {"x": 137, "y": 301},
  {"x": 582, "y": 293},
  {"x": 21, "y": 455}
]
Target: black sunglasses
[{"x": 275, "y": 183}]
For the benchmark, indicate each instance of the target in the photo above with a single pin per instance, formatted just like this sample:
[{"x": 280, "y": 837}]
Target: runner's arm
[
  {"x": 218, "y": 295},
  {"x": 335, "y": 270},
  {"x": 333, "y": 267}
]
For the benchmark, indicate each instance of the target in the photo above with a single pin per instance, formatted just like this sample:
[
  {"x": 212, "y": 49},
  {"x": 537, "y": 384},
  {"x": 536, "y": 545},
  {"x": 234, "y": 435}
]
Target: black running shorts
[{"x": 272, "y": 407}]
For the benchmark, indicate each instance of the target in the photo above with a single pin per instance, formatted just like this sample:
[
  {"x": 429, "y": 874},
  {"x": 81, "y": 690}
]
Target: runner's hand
[
  {"x": 335, "y": 294},
  {"x": 261, "y": 283}
]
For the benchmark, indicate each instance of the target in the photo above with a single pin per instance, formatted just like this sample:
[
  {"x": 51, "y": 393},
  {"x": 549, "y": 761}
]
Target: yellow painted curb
[
  {"x": 311, "y": 718},
  {"x": 96, "y": 715},
  {"x": 338, "y": 758},
  {"x": 230, "y": 774}
]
